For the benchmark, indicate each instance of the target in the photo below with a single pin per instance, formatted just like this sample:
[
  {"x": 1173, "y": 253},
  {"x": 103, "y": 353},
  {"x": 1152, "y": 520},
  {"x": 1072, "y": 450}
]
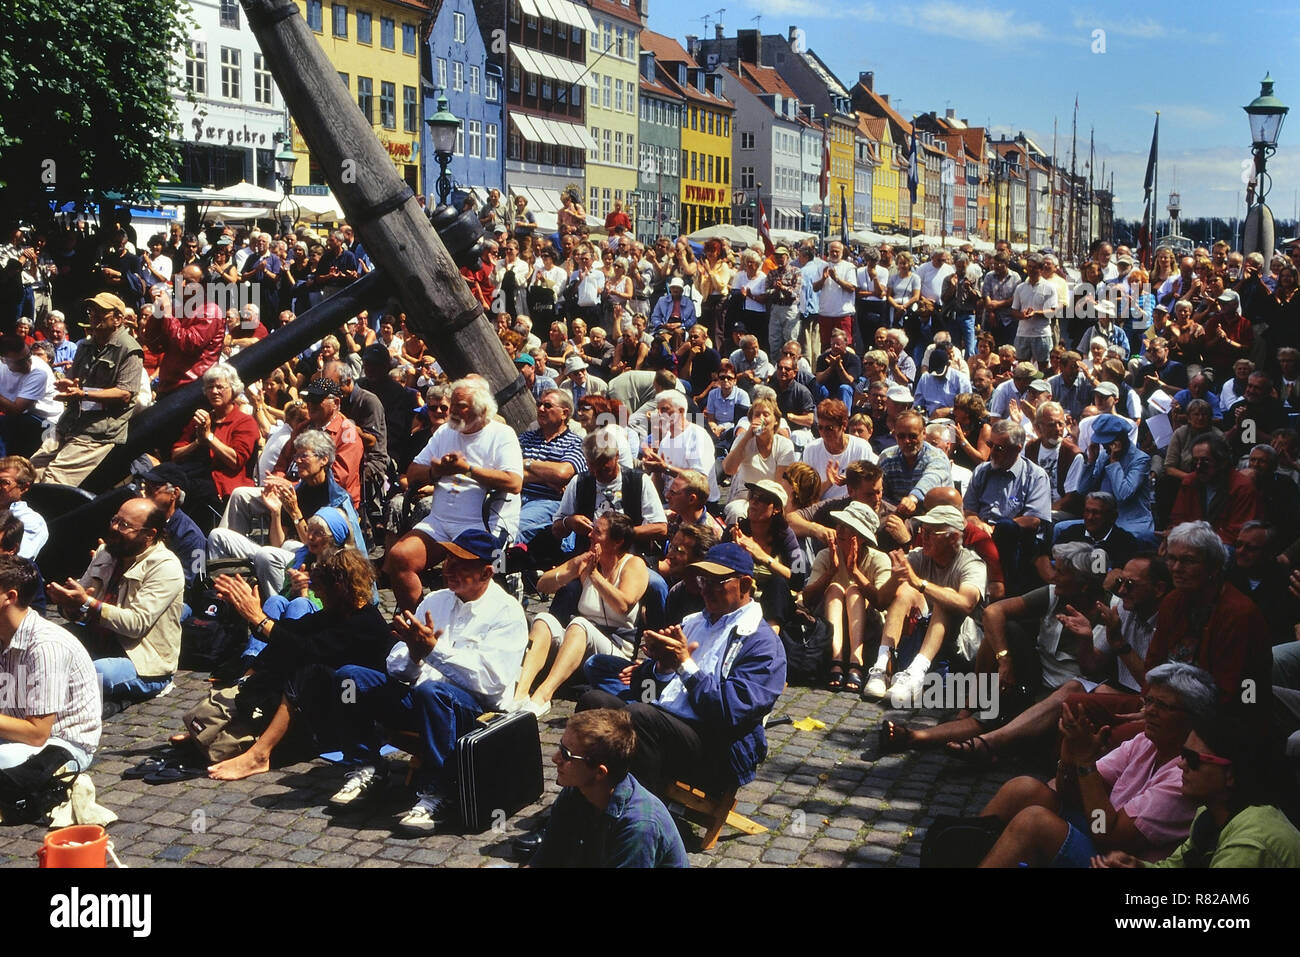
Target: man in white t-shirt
[
  {"x": 477, "y": 469},
  {"x": 932, "y": 275},
  {"x": 677, "y": 445},
  {"x": 836, "y": 290},
  {"x": 26, "y": 397},
  {"x": 1034, "y": 304}
]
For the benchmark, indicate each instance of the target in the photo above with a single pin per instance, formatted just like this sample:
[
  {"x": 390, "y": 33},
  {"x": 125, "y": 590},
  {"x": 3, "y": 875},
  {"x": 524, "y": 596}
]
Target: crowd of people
[{"x": 1080, "y": 489}]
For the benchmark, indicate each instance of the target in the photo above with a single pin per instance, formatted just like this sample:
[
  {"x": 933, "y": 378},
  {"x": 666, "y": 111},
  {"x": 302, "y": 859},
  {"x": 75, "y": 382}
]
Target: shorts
[
  {"x": 1037, "y": 349},
  {"x": 598, "y": 643},
  {"x": 1077, "y": 850}
]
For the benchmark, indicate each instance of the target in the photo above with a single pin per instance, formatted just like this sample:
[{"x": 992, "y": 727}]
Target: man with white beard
[{"x": 477, "y": 469}]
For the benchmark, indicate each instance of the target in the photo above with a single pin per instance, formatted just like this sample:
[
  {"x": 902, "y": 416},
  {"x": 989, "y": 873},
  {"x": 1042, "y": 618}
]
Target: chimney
[
  {"x": 692, "y": 44},
  {"x": 950, "y": 114},
  {"x": 793, "y": 34},
  {"x": 719, "y": 31},
  {"x": 868, "y": 79},
  {"x": 885, "y": 97},
  {"x": 749, "y": 46}
]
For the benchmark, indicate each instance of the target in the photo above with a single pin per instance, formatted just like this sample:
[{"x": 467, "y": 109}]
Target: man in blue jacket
[
  {"x": 1117, "y": 466},
  {"x": 706, "y": 685},
  {"x": 675, "y": 311}
]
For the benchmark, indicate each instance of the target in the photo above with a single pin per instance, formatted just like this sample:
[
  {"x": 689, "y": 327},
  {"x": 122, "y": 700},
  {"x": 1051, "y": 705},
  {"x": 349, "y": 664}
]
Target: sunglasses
[
  {"x": 1194, "y": 759},
  {"x": 568, "y": 755},
  {"x": 1155, "y": 704}
]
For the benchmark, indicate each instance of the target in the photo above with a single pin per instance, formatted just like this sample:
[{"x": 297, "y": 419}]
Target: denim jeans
[
  {"x": 438, "y": 711},
  {"x": 656, "y": 597},
  {"x": 602, "y": 671},
  {"x": 119, "y": 681},
  {"x": 962, "y": 330},
  {"x": 534, "y": 515}
]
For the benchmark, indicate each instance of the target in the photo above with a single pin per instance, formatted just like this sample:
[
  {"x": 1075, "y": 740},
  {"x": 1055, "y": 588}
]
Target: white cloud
[{"x": 1185, "y": 113}]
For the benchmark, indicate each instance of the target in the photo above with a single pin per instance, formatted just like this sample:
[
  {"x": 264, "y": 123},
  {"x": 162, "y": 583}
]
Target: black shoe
[
  {"x": 111, "y": 708},
  {"x": 526, "y": 845}
]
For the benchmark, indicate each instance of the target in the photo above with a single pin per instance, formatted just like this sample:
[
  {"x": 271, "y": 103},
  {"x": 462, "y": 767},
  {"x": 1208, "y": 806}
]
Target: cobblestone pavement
[{"x": 826, "y": 797}]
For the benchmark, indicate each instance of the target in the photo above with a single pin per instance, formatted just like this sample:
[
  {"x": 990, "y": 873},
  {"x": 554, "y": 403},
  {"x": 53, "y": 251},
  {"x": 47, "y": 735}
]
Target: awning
[
  {"x": 557, "y": 68},
  {"x": 795, "y": 214},
  {"x": 537, "y": 129},
  {"x": 539, "y": 200},
  {"x": 574, "y": 14},
  {"x": 529, "y": 8}
]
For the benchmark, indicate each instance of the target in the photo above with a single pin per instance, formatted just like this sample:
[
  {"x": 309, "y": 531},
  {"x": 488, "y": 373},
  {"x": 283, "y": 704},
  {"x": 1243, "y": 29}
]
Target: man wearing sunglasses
[
  {"x": 706, "y": 685},
  {"x": 604, "y": 817}
]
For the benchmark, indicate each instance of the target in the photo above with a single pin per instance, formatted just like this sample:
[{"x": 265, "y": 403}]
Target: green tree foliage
[{"x": 85, "y": 97}]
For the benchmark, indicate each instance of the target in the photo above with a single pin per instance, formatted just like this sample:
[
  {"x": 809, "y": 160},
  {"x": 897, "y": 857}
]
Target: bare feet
[{"x": 241, "y": 766}]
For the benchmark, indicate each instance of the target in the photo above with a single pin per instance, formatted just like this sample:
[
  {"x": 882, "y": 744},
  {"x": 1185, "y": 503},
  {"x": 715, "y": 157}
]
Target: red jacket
[
  {"x": 190, "y": 346},
  {"x": 239, "y": 431},
  {"x": 1237, "y": 506}
]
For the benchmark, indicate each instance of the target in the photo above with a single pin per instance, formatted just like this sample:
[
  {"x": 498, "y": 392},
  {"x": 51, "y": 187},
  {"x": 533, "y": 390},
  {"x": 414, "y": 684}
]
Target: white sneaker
[
  {"x": 167, "y": 689},
  {"x": 538, "y": 708},
  {"x": 905, "y": 690},
  {"x": 360, "y": 784},
  {"x": 429, "y": 812},
  {"x": 877, "y": 684}
]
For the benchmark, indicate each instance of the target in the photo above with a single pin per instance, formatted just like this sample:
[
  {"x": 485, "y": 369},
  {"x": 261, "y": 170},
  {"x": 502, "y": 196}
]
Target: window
[
  {"x": 532, "y": 84},
  {"x": 386, "y": 28},
  {"x": 709, "y": 177},
  {"x": 606, "y": 89},
  {"x": 606, "y": 151},
  {"x": 746, "y": 141},
  {"x": 618, "y": 148},
  {"x": 460, "y": 140},
  {"x": 458, "y": 76},
  {"x": 230, "y": 73},
  {"x": 442, "y": 73},
  {"x": 493, "y": 88},
  {"x": 562, "y": 31},
  {"x": 606, "y": 36},
  {"x": 473, "y": 80},
  {"x": 747, "y": 177},
  {"x": 546, "y": 88},
  {"x": 366, "y": 98},
  {"x": 695, "y": 117},
  {"x": 475, "y": 139},
  {"x": 725, "y": 175},
  {"x": 490, "y": 142},
  {"x": 315, "y": 16},
  {"x": 345, "y": 78},
  {"x": 595, "y": 81},
  {"x": 458, "y": 27},
  {"x": 410, "y": 110},
  {"x": 365, "y": 27},
  {"x": 514, "y": 79},
  {"x": 618, "y": 95},
  {"x": 695, "y": 165},
  {"x": 230, "y": 14},
  {"x": 595, "y": 201},
  {"x": 547, "y": 29},
  {"x": 630, "y": 144},
  {"x": 595, "y": 40},
  {"x": 388, "y": 105},
  {"x": 530, "y": 152},
  {"x": 631, "y": 98},
  {"x": 514, "y": 145},
  {"x": 514, "y": 18},
  {"x": 709, "y": 114},
  {"x": 408, "y": 39},
  {"x": 196, "y": 67},
  {"x": 605, "y": 202},
  {"x": 726, "y": 125},
  {"x": 645, "y": 114},
  {"x": 261, "y": 80},
  {"x": 340, "y": 12},
  {"x": 620, "y": 48},
  {"x": 594, "y": 153}
]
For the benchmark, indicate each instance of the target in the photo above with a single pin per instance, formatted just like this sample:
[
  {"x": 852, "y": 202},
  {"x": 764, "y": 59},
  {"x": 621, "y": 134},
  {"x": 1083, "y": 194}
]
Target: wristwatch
[
  {"x": 923, "y": 586},
  {"x": 1002, "y": 654},
  {"x": 88, "y": 604}
]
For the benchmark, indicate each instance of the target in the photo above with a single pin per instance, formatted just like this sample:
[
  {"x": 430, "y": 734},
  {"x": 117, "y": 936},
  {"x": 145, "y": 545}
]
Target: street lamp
[
  {"x": 443, "y": 126},
  {"x": 285, "y": 162},
  {"x": 1265, "y": 113}
]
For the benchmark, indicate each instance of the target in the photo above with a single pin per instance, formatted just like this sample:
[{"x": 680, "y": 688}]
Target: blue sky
[{"x": 1015, "y": 66}]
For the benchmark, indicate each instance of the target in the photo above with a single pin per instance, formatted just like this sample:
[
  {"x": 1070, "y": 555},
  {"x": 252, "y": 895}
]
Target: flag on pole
[
  {"x": 844, "y": 219},
  {"x": 764, "y": 232},
  {"x": 913, "y": 173},
  {"x": 826, "y": 163},
  {"x": 1149, "y": 182}
]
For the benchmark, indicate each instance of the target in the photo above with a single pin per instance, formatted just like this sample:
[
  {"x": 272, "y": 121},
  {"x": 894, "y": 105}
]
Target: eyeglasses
[
  {"x": 545, "y": 405},
  {"x": 1193, "y": 759},
  {"x": 726, "y": 378},
  {"x": 568, "y": 755},
  {"x": 441, "y": 407},
  {"x": 123, "y": 525},
  {"x": 1172, "y": 559},
  {"x": 1155, "y": 704},
  {"x": 708, "y": 581},
  {"x": 1123, "y": 583}
]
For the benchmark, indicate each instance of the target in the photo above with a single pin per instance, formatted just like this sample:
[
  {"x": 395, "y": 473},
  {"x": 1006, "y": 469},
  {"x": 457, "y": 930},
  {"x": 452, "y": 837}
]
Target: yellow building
[
  {"x": 884, "y": 181},
  {"x": 706, "y": 134},
  {"x": 613, "y": 116},
  {"x": 375, "y": 47},
  {"x": 842, "y": 130}
]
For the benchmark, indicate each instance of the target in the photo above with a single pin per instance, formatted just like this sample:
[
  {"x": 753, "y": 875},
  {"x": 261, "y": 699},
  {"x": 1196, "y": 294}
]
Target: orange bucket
[{"x": 85, "y": 845}]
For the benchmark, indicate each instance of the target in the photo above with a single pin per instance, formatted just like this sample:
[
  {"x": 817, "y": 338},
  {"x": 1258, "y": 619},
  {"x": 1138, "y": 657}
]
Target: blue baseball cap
[
  {"x": 473, "y": 544},
  {"x": 726, "y": 559},
  {"x": 1108, "y": 428},
  {"x": 524, "y": 359}
]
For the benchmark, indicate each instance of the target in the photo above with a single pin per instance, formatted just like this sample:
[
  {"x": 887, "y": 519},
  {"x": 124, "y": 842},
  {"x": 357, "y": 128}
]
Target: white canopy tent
[
  {"x": 738, "y": 235},
  {"x": 790, "y": 237}
]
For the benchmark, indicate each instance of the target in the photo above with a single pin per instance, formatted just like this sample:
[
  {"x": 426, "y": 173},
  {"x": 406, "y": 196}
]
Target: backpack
[
  {"x": 807, "y": 642},
  {"x": 213, "y": 638},
  {"x": 18, "y": 806},
  {"x": 216, "y": 728},
  {"x": 959, "y": 841}
]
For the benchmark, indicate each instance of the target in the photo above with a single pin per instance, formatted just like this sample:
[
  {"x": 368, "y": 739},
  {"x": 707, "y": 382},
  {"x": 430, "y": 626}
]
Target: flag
[
  {"x": 844, "y": 219},
  {"x": 763, "y": 231},
  {"x": 1144, "y": 239},
  {"x": 1149, "y": 183},
  {"x": 826, "y": 163},
  {"x": 913, "y": 174}
]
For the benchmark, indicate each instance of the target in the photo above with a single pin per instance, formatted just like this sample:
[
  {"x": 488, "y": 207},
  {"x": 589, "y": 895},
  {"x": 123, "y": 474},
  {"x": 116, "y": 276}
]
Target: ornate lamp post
[
  {"x": 1265, "y": 113},
  {"x": 443, "y": 126},
  {"x": 285, "y": 162}
]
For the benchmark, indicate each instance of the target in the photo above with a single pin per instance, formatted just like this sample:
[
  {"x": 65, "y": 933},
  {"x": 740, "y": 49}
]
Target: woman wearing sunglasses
[
  {"x": 1131, "y": 799},
  {"x": 1225, "y": 768}
]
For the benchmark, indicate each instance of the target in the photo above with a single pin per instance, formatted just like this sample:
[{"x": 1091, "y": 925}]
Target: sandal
[
  {"x": 836, "y": 680},
  {"x": 853, "y": 683},
  {"x": 894, "y": 738},
  {"x": 975, "y": 752},
  {"x": 144, "y": 769}
]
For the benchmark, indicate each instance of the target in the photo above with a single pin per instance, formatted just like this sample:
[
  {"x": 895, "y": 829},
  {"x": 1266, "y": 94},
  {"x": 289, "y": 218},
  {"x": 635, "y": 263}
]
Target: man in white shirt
[
  {"x": 590, "y": 282},
  {"x": 932, "y": 274},
  {"x": 476, "y": 466},
  {"x": 836, "y": 289},
  {"x": 457, "y": 657},
  {"x": 677, "y": 445},
  {"x": 1034, "y": 304},
  {"x": 26, "y": 397},
  {"x": 872, "y": 304}
]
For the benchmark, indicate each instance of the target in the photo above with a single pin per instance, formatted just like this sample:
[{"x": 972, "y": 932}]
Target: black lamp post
[
  {"x": 285, "y": 163},
  {"x": 1265, "y": 113},
  {"x": 443, "y": 126}
]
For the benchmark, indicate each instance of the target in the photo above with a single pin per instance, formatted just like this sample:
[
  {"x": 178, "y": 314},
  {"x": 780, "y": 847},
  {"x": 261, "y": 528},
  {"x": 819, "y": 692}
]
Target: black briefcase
[{"x": 499, "y": 768}]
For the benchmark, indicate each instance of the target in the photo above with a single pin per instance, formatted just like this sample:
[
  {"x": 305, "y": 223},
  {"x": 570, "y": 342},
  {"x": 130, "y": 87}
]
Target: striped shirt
[
  {"x": 565, "y": 447},
  {"x": 932, "y": 469},
  {"x": 44, "y": 670}
]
